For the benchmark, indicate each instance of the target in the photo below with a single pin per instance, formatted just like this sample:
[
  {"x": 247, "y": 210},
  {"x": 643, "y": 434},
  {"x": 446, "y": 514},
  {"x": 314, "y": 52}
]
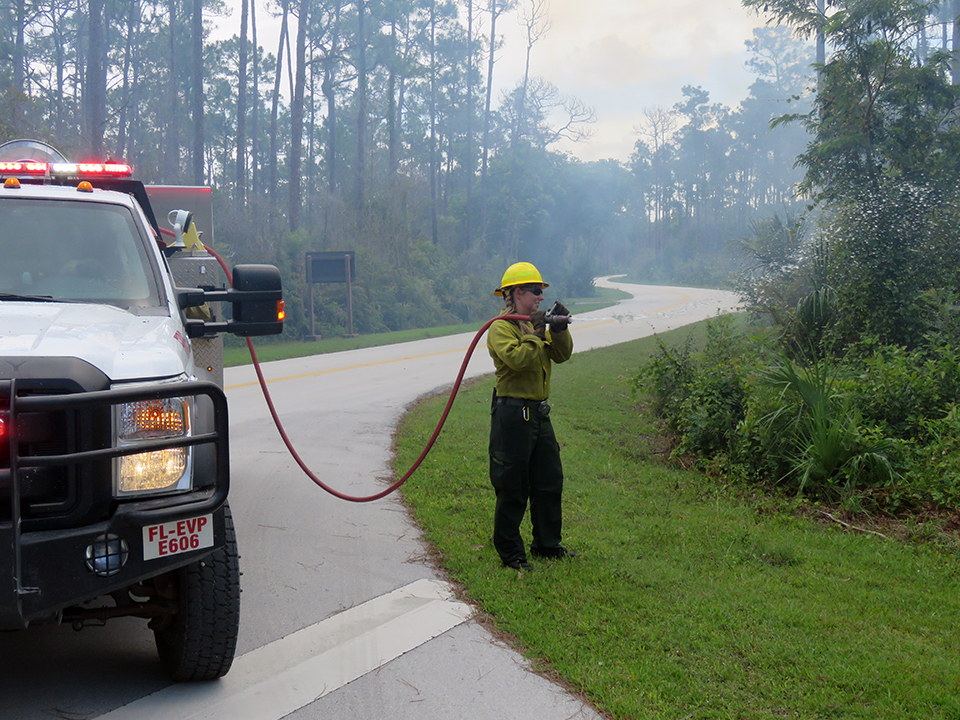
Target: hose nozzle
[{"x": 553, "y": 311}]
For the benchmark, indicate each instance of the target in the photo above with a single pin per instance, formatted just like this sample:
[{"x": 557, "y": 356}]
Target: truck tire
[{"x": 200, "y": 640}]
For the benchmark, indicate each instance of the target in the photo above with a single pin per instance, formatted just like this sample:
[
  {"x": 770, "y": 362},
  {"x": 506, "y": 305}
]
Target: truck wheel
[{"x": 199, "y": 641}]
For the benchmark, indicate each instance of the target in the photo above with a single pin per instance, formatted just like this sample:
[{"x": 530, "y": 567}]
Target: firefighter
[{"x": 524, "y": 454}]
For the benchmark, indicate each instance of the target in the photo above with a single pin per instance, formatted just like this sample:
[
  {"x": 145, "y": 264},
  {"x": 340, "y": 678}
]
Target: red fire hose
[{"x": 433, "y": 438}]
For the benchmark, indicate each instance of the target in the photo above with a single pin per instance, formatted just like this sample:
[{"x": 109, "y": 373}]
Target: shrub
[
  {"x": 895, "y": 388},
  {"x": 822, "y": 438},
  {"x": 892, "y": 244},
  {"x": 700, "y": 397},
  {"x": 667, "y": 376},
  {"x": 931, "y": 474},
  {"x": 880, "y": 426}
]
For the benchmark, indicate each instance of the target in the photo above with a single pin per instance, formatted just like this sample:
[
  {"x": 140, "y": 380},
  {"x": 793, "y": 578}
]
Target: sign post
[
  {"x": 326, "y": 267},
  {"x": 347, "y": 267}
]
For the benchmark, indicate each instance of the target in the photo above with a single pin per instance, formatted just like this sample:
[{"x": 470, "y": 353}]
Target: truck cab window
[{"x": 74, "y": 250}]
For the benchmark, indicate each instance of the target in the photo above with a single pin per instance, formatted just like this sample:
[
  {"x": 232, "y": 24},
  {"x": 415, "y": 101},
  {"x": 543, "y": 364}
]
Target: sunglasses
[{"x": 532, "y": 289}]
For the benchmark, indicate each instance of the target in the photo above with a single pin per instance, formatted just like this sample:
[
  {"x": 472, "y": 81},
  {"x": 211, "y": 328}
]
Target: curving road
[{"x": 342, "y": 615}]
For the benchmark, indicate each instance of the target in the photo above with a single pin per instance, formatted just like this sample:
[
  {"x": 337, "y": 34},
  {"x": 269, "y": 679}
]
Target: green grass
[
  {"x": 236, "y": 353},
  {"x": 688, "y": 600}
]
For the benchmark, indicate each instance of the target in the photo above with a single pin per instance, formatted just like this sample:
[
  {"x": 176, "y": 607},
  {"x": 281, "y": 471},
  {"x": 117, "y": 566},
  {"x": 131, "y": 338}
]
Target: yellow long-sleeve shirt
[{"x": 523, "y": 362}]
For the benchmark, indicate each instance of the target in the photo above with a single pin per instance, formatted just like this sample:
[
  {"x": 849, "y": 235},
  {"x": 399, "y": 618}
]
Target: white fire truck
[{"x": 114, "y": 455}]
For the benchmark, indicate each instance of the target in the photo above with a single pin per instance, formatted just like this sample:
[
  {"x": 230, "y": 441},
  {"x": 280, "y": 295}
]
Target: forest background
[
  {"x": 394, "y": 145},
  {"x": 830, "y": 196}
]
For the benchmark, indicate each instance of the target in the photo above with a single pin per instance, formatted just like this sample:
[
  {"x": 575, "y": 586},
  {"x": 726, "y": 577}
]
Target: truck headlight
[{"x": 159, "y": 470}]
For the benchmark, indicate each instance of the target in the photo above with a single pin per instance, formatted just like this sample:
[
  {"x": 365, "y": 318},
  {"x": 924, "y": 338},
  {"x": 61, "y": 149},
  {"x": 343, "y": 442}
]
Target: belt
[
  {"x": 518, "y": 402},
  {"x": 540, "y": 406}
]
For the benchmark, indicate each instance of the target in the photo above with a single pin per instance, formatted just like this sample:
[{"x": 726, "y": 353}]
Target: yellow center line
[
  {"x": 686, "y": 298},
  {"x": 360, "y": 366}
]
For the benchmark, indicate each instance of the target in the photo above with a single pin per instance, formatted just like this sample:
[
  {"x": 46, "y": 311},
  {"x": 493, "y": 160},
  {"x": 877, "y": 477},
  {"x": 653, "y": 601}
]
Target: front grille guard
[
  {"x": 140, "y": 509},
  {"x": 102, "y": 398}
]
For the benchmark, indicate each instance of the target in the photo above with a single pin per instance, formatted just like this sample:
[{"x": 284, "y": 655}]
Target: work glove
[
  {"x": 560, "y": 318},
  {"x": 539, "y": 322}
]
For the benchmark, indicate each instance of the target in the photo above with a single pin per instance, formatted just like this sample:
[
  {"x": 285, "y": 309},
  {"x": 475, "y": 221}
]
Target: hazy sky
[
  {"x": 618, "y": 56},
  {"x": 621, "y": 56}
]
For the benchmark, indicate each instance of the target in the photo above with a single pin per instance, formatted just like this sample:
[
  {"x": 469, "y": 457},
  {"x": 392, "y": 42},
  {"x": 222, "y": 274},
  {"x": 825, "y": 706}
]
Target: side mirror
[
  {"x": 257, "y": 299},
  {"x": 258, "y": 307}
]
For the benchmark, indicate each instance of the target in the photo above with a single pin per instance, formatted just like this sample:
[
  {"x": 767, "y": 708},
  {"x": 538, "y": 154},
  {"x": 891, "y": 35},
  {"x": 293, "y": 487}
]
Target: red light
[
  {"x": 6, "y": 430},
  {"x": 118, "y": 169},
  {"x": 24, "y": 168},
  {"x": 114, "y": 169}
]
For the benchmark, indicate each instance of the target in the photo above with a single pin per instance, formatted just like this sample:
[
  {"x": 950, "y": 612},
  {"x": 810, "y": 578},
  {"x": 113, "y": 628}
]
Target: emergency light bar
[{"x": 65, "y": 170}]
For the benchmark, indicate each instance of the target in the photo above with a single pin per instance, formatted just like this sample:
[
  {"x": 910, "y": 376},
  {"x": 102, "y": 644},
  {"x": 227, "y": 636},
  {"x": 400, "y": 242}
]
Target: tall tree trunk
[
  {"x": 19, "y": 43},
  {"x": 359, "y": 190},
  {"x": 61, "y": 60},
  {"x": 311, "y": 189},
  {"x": 198, "y": 129},
  {"x": 241, "y": 181},
  {"x": 134, "y": 131},
  {"x": 433, "y": 121},
  {"x": 19, "y": 66},
  {"x": 494, "y": 14},
  {"x": 78, "y": 95},
  {"x": 392, "y": 103},
  {"x": 329, "y": 90},
  {"x": 329, "y": 93},
  {"x": 470, "y": 164},
  {"x": 296, "y": 117},
  {"x": 401, "y": 90},
  {"x": 274, "y": 110},
  {"x": 95, "y": 80},
  {"x": 290, "y": 81},
  {"x": 447, "y": 173},
  {"x": 125, "y": 100},
  {"x": 955, "y": 60},
  {"x": 173, "y": 120},
  {"x": 255, "y": 115}
]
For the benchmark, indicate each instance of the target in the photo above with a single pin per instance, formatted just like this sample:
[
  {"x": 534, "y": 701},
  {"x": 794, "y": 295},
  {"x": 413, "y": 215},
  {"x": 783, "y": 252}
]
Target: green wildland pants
[{"x": 524, "y": 465}]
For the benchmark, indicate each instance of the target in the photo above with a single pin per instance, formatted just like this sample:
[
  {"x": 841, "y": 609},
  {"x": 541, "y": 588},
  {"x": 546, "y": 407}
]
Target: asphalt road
[{"x": 342, "y": 617}]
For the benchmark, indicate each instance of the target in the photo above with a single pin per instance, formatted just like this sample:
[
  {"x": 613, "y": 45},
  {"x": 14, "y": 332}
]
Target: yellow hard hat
[{"x": 521, "y": 273}]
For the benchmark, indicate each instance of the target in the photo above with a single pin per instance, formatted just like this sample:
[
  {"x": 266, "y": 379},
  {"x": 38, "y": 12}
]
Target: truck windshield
[{"x": 74, "y": 250}]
